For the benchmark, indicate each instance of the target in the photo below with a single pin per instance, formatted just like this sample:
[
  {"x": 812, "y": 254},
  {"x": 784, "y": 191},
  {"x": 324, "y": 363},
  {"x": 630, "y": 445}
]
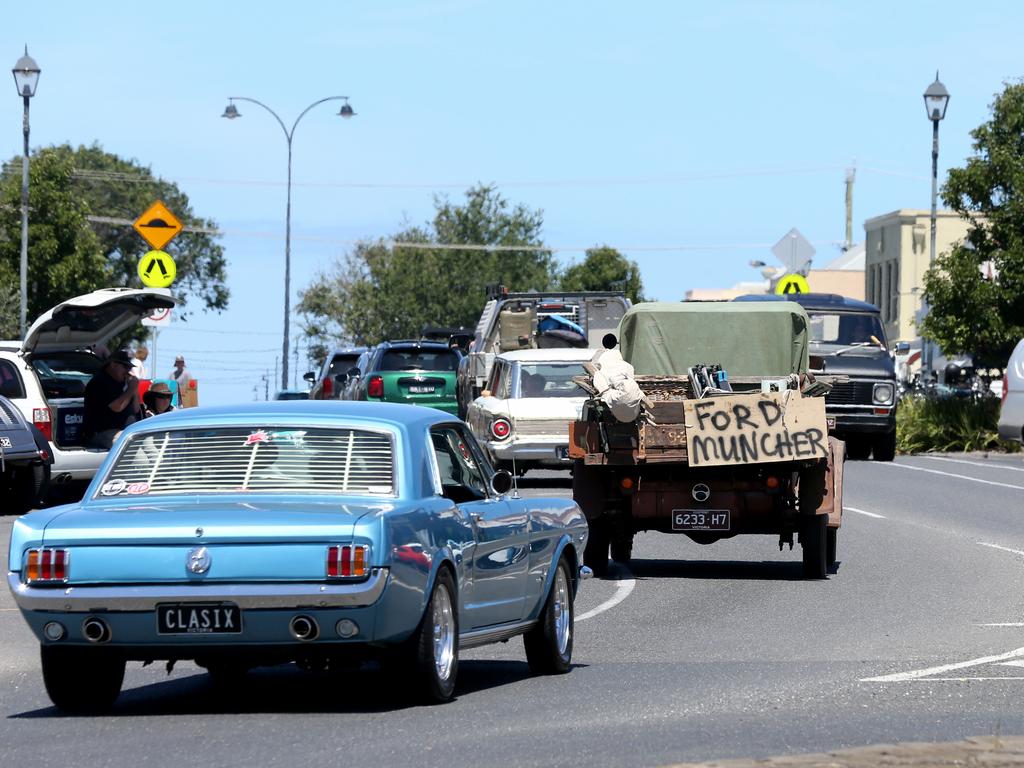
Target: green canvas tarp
[{"x": 747, "y": 339}]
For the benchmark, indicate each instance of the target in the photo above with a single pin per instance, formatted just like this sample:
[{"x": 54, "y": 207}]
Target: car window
[
  {"x": 550, "y": 380},
  {"x": 462, "y": 476},
  {"x": 503, "y": 388},
  {"x": 65, "y": 374},
  {"x": 418, "y": 359},
  {"x": 341, "y": 364},
  {"x": 11, "y": 384},
  {"x": 845, "y": 328}
]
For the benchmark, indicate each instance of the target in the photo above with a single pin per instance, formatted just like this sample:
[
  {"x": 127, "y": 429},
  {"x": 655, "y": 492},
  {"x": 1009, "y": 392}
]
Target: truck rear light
[
  {"x": 328, "y": 386},
  {"x": 501, "y": 428},
  {"x": 43, "y": 420},
  {"x": 627, "y": 483},
  {"x": 375, "y": 387},
  {"x": 349, "y": 561},
  {"x": 47, "y": 565},
  {"x": 771, "y": 482}
]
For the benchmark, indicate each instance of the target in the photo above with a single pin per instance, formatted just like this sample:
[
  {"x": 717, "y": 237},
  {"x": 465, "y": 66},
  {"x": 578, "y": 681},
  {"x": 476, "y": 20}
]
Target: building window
[{"x": 894, "y": 296}]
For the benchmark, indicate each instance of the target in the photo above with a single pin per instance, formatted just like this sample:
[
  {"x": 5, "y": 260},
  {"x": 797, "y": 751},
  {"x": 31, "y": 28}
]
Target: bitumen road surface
[{"x": 692, "y": 653}]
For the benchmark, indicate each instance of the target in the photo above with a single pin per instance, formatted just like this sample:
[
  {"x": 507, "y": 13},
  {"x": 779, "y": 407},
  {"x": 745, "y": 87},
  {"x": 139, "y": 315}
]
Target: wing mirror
[
  {"x": 353, "y": 372},
  {"x": 901, "y": 348},
  {"x": 309, "y": 376},
  {"x": 501, "y": 482}
]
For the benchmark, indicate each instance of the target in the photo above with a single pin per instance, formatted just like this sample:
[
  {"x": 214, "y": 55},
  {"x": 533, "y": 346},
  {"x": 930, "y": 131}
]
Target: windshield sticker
[
  {"x": 137, "y": 488},
  {"x": 113, "y": 487},
  {"x": 258, "y": 437}
]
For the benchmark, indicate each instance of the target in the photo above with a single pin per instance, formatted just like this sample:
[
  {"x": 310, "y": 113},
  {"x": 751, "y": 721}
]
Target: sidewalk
[{"x": 988, "y": 751}]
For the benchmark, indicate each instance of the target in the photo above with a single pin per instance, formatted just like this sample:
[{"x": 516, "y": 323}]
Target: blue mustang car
[{"x": 294, "y": 531}]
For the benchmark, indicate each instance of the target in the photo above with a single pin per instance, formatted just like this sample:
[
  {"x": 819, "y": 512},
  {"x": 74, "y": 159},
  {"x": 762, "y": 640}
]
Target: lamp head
[
  {"x": 26, "y": 75},
  {"x": 346, "y": 110},
  {"x": 231, "y": 111},
  {"x": 936, "y": 98}
]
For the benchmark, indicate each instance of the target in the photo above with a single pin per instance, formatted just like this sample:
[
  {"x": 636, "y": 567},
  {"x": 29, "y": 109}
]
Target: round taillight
[
  {"x": 500, "y": 428},
  {"x": 772, "y": 482}
]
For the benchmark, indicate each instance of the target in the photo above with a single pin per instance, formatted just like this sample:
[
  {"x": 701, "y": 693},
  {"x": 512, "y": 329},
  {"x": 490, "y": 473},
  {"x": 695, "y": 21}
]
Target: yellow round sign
[
  {"x": 792, "y": 284},
  {"x": 157, "y": 270}
]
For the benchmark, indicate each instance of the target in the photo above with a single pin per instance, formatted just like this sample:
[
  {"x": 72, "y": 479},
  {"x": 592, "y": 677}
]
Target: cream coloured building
[{"x": 897, "y": 258}]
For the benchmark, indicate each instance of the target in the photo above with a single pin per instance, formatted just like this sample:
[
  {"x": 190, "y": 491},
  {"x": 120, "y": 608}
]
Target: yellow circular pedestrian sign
[
  {"x": 792, "y": 284},
  {"x": 157, "y": 270}
]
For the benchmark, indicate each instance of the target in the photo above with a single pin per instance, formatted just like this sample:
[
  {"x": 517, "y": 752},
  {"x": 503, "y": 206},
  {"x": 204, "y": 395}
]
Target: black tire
[
  {"x": 831, "y": 535},
  {"x": 622, "y": 548},
  {"x": 28, "y": 487},
  {"x": 435, "y": 680},
  {"x": 858, "y": 448},
  {"x": 813, "y": 543},
  {"x": 226, "y": 674},
  {"x": 81, "y": 680},
  {"x": 549, "y": 644},
  {"x": 885, "y": 447},
  {"x": 595, "y": 556}
]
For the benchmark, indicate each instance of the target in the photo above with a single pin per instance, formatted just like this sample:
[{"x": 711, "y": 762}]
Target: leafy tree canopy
[
  {"x": 604, "y": 269},
  {"x": 383, "y": 290},
  {"x": 969, "y": 311},
  {"x": 69, "y": 254}
]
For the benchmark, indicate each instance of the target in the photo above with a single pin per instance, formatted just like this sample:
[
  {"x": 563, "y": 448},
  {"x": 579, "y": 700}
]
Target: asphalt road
[{"x": 694, "y": 653}]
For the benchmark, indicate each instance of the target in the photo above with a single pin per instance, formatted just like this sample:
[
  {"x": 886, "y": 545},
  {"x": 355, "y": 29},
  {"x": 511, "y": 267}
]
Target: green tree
[
  {"x": 72, "y": 251},
  {"x": 969, "y": 311},
  {"x": 392, "y": 287},
  {"x": 604, "y": 269}
]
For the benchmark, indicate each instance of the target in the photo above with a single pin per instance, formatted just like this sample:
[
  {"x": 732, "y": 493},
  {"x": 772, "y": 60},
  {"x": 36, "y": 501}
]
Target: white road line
[
  {"x": 1003, "y": 624},
  {"x": 863, "y": 512},
  {"x": 1004, "y": 549},
  {"x": 894, "y": 465},
  {"x": 963, "y": 679},
  {"x": 622, "y": 590},
  {"x": 987, "y": 464},
  {"x": 1016, "y": 663},
  {"x": 917, "y": 674}
]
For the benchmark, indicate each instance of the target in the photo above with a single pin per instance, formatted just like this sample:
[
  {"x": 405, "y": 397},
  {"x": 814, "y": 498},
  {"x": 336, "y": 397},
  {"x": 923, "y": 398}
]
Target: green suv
[{"x": 412, "y": 372}]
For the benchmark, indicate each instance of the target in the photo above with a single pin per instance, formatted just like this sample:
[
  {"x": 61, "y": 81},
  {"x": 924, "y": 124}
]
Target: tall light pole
[
  {"x": 231, "y": 112},
  {"x": 936, "y": 98},
  {"x": 26, "y": 77}
]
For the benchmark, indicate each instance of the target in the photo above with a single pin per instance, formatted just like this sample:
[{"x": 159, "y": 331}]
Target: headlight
[{"x": 882, "y": 394}]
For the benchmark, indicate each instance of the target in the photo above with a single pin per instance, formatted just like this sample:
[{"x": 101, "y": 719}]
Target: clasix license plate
[
  {"x": 198, "y": 619},
  {"x": 421, "y": 390},
  {"x": 700, "y": 519},
  {"x": 562, "y": 452}
]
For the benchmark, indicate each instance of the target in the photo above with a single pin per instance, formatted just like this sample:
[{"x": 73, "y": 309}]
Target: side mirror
[
  {"x": 340, "y": 378},
  {"x": 353, "y": 372},
  {"x": 309, "y": 376},
  {"x": 902, "y": 347},
  {"x": 501, "y": 482}
]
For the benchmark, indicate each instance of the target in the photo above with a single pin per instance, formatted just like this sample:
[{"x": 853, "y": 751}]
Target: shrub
[{"x": 949, "y": 424}]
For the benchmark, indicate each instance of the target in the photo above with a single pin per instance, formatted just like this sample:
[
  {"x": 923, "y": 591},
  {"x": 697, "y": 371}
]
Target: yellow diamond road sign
[
  {"x": 158, "y": 226},
  {"x": 792, "y": 284},
  {"x": 157, "y": 270}
]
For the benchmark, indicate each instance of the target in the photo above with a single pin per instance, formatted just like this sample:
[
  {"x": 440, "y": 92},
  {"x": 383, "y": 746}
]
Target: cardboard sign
[{"x": 755, "y": 428}]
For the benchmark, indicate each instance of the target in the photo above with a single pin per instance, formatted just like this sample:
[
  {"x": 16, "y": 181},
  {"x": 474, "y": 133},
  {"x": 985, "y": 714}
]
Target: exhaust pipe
[
  {"x": 95, "y": 630},
  {"x": 62, "y": 479},
  {"x": 304, "y": 628}
]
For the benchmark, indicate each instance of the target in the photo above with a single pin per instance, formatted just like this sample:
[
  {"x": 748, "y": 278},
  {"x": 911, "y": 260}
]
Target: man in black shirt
[{"x": 111, "y": 401}]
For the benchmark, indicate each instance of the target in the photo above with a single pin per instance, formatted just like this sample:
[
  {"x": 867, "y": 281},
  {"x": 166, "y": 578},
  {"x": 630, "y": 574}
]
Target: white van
[
  {"x": 1011, "y": 414},
  {"x": 46, "y": 373}
]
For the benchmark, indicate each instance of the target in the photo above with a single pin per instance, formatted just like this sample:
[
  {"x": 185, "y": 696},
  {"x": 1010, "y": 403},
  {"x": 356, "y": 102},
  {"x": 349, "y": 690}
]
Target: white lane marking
[
  {"x": 988, "y": 464},
  {"x": 1003, "y": 624},
  {"x": 1017, "y": 663},
  {"x": 964, "y": 679},
  {"x": 863, "y": 512},
  {"x": 894, "y": 465},
  {"x": 1004, "y": 549},
  {"x": 622, "y": 590},
  {"x": 917, "y": 674}
]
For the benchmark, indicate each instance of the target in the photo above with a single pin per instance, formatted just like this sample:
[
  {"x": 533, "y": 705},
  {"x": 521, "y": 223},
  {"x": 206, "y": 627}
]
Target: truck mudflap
[{"x": 832, "y": 503}]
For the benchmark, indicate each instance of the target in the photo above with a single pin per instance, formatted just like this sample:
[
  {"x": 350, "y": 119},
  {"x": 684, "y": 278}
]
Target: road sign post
[
  {"x": 157, "y": 226},
  {"x": 792, "y": 284}
]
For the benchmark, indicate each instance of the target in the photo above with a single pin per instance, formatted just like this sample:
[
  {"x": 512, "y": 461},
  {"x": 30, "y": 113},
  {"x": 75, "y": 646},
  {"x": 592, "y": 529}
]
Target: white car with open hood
[
  {"x": 524, "y": 412},
  {"x": 45, "y": 374}
]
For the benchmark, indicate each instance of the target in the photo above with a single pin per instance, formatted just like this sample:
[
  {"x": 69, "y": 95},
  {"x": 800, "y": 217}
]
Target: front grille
[
  {"x": 850, "y": 393},
  {"x": 254, "y": 460}
]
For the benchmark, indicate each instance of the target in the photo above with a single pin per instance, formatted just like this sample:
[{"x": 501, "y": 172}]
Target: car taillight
[
  {"x": 351, "y": 561},
  {"x": 500, "y": 428},
  {"x": 47, "y": 565},
  {"x": 1006, "y": 389},
  {"x": 44, "y": 421},
  {"x": 328, "y": 386},
  {"x": 375, "y": 387}
]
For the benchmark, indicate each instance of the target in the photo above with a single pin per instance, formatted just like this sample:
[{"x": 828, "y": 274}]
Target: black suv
[
  {"x": 848, "y": 339},
  {"x": 333, "y": 376}
]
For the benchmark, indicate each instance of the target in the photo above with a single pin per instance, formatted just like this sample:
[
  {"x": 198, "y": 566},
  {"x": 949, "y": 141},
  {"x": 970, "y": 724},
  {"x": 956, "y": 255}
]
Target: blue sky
[{"x": 688, "y": 137}]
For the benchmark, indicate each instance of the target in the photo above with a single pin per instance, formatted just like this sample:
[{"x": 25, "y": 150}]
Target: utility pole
[
  {"x": 266, "y": 383},
  {"x": 851, "y": 174},
  {"x": 295, "y": 370}
]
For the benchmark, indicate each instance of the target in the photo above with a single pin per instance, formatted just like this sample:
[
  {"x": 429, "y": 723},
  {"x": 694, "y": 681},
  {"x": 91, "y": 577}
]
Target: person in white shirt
[{"x": 139, "y": 362}]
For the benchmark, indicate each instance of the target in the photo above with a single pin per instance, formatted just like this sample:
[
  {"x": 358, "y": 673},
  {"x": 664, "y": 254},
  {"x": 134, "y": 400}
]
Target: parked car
[
  {"x": 522, "y": 418},
  {"x": 291, "y": 394},
  {"x": 277, "y": 532},
  {"x": 413, "y": 372},
  {"x": 1011, "y": 412},
  {"x": 25, "y": 459},
  {"x": 848, "y": 339},
  {"x": 329, "y": 382},
  {"x": 46, "y": 373}
]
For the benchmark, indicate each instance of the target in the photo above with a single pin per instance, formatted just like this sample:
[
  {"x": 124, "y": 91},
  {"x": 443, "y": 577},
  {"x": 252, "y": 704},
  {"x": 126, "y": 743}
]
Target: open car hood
[{"x": 92, "y": 319}]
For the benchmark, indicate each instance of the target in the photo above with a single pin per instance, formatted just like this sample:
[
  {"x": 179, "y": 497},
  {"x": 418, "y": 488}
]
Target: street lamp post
[
  {"x": 936, "y": 98},
  {"x": 231, "y": 112},
  {"x": 26, "y": 77}
]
